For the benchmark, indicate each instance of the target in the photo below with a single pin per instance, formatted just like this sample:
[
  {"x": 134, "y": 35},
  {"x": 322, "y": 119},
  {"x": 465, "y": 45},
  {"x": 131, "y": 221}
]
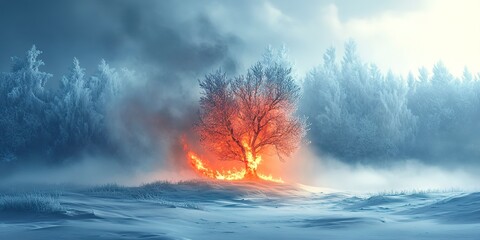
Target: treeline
[
  {"x": 39, "y": 123},
  {"x": 357, "y": 113}
]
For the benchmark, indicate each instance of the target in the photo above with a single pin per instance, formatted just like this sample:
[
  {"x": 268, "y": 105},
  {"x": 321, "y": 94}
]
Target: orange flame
[{"x": 230, "y": 175}]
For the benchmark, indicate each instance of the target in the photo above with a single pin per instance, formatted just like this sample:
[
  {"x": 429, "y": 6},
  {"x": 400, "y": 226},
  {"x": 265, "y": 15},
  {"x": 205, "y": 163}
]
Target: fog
[{"x": 383, "y": 112}]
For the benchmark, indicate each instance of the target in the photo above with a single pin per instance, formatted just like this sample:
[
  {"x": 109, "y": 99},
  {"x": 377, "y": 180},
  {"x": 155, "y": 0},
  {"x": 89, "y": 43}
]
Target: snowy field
[{"x": 213, "y": 210}]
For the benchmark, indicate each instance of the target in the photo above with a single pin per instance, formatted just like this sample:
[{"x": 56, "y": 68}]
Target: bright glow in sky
[
  {"x": 397, "y": 35},
  {"x": 442, "y": 30}
]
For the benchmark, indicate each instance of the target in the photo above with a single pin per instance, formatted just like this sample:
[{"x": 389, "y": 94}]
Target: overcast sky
[{"x": 195, "y": 36}]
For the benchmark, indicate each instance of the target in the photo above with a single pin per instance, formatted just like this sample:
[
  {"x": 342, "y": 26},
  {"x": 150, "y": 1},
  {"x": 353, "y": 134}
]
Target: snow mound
[
  {"x": 30, "y": 203},
  {"x": 197, "y": 190},
  {"x": 340, "y": 222},
  {"x": 463, "y": 208}
]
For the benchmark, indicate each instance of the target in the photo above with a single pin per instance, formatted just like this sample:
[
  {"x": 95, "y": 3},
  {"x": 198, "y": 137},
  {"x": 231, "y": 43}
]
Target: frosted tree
[
  {"x": 430, "y": 100},
  {"x": 106, "y": 86},
  {"x": 273, "y": 56},
  {"x": 396, "y": 122},
  {"x": 322, "y": 102},
  {"x": 75, "y": 110},
  {"x": 24, "y": 106},
  {"x": 246, "y": 117}
]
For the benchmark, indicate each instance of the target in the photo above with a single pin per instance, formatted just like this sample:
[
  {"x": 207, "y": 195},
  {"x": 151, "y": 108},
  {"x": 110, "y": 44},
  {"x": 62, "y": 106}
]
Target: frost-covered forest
[
  {"x": 356, "y": 111},
  {"x": 41, "y": 124},
  {"x": 359, "y": 113}
]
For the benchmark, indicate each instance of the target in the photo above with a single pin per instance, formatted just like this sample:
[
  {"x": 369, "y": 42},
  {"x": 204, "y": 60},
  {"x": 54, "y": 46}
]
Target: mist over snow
[
  {"x": 390, "y": 90},
  {"x": 253, "y": 119}
]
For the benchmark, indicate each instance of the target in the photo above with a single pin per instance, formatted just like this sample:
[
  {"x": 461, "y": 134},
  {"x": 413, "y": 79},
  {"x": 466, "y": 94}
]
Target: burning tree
[{"x": 248, "y": 116}]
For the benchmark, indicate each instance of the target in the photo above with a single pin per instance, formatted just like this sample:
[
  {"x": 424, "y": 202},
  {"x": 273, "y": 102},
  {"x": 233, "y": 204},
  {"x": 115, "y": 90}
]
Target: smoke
[
  {"x": 171, "y": 48},
  {"x": 170, "y": 45},
  {"x": 163, "y": 34}
]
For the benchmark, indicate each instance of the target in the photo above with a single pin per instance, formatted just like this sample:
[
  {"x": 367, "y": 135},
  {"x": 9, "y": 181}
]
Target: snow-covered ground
[{"x": 223, "y": 210}]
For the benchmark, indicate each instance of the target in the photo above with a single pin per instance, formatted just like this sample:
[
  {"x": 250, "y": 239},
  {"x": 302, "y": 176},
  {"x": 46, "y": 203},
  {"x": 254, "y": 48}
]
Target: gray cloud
[
  {"x": 187, "y": 36},
  {"x": 158, "y": 33}
]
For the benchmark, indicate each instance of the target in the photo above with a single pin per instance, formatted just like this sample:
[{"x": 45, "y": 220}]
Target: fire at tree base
[{"x": 249, "y": 173}]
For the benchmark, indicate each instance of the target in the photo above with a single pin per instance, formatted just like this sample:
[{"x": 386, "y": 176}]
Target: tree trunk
[{"x": 250, "y": 173}]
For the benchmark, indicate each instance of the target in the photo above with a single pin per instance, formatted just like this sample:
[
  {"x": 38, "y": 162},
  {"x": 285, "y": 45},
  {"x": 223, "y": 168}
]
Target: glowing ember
[{"x": 234, "y": 174}]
